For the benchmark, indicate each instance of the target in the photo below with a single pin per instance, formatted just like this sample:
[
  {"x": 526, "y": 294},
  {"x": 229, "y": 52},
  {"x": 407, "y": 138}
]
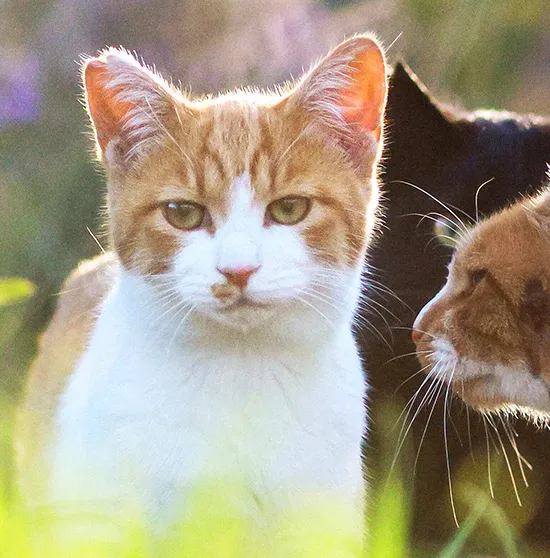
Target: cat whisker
[
  {"x": 433, "y": 217},
  {"x": 445, "y": 206},
  {"x": 508, "y": 464},
  {"x": 415, "y": 329},
  {"x": 446, "y": 441},
  {"x": 408, "y": 380},
  {"x": 360, "y": 320},
  {"x": 370, "y": 301},
  {"x": 321, "y": 297},
  {"x": 468, "y": 428},
  {"x": 366, "y": 306},
  {"x": 476, "y": 199},
  {"x": 491, "y": 489},
  {"x": 434, "y": 397},
  {"x": 186, "y": 315},
  {"x": 313, "y": 307},
  {"x": 514, "y": 445},
  {"x": 431, "y": 377},
  {"x": 410, "y": 402},
  {"x": 379, "y": 287},
  {"x": 404, "y": 355},
  {"x": 96, "y": 240}
]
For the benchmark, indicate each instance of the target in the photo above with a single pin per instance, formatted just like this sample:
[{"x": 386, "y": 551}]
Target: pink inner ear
[
  {"x": 362, "y": 102},
  {"x": 107, "y": 112}
]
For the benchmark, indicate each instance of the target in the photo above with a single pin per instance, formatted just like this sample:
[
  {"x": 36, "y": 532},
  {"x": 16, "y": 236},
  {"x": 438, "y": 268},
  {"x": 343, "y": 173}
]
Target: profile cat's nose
[
  {"x": 417, "y": 336},
  {"x": 238, "y": 276},
  {"x": 418, "y": 327}
]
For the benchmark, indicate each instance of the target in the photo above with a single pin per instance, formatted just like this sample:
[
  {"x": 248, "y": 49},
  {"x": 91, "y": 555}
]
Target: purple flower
[{"x": 20, "y": 91}]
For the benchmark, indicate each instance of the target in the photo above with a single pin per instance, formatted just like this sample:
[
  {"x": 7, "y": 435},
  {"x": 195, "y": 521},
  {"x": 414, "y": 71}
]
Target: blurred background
[{"x": 472, "y": 53}]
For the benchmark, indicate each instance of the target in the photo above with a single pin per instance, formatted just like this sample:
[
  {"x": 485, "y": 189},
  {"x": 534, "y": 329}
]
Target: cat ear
[
  {"x": 128, "y": 104},
  {"x": 411, "y": 100},
  {"x": 346, "y": 93}
]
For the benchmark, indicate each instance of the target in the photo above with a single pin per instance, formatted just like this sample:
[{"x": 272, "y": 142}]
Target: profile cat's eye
[
  {"x": 186, "y": 215},
  {"x": 477, "y": 276},
  {"x": 288, "y": 211}
]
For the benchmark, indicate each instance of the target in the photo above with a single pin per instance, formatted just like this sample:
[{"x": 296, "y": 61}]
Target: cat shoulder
[{"x": 60, "y": 347}]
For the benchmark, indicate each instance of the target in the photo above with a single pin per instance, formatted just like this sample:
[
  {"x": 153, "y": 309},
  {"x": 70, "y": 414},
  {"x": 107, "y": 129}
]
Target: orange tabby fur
[
  {"x": 494, "y": 312},
  {"x": 197, "y": 145}
]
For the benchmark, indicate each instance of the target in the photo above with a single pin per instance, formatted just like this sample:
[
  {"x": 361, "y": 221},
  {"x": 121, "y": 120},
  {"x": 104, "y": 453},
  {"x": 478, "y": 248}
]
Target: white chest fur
[{"x": 147, "y": 419}]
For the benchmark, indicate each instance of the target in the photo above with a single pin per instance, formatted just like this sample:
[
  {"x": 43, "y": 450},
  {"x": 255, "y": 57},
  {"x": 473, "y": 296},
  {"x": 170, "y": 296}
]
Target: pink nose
[
  {"x": 417, "y": 336},
  {"x": 238, "y": 276}
]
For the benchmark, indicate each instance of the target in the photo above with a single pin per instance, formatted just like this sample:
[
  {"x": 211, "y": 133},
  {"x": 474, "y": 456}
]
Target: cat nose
[
  {"x": 239, "y": 276},
  {"x": 418, "y": 327},
  {"x": 417, "y": 336}
]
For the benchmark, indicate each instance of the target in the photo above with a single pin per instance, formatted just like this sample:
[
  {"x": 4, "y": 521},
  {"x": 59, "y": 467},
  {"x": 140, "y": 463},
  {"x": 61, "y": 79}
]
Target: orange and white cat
[
  {"x": 224, "y": 347},
  {"x": 487, "y": 332}
]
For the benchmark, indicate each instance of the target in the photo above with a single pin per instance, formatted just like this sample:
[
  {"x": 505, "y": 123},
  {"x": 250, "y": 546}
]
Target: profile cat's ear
[
  {"x": 410, "y": 96},
  {"x": 129, "y": 106},
  {"x": 346, "y": 93}
]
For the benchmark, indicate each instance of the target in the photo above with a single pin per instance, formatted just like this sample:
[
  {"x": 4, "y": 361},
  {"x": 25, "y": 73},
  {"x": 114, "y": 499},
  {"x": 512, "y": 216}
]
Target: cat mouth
[{"x": 243, "y": 303}]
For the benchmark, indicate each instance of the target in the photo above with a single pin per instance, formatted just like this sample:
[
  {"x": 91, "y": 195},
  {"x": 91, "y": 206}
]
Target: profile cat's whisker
[
  {"x": 445, "y": 411},
  {"x": 469, "y": 430},
  {"x": 506, "y": 459},
  {"x": 506, "y": 427},
  {"x": 455, "y": 228},
  {"x": 408, "y": 328},
  {"x": 169, "y": 314},
  {"x": 407, "y": 380},
  {"x": 445, "y": 206},
  {"x": 412, "y": 353},
  {"x": 434, "y": 397},
  {"x": 489, "y": 473},
  {"x": 410, "y": 402},
  {"x": 476, "y": 199},
  {"x": 432, "y": 378}
]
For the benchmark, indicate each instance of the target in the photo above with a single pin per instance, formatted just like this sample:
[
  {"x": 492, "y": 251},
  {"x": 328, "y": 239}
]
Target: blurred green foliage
[{"x": 478, "y": 52}]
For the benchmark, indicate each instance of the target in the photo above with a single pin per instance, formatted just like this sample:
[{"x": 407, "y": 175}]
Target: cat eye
[
  {"x": 186, "y": 215},
  {"x": 289, "y": 210},
  {"x": 477, "y": 276}
]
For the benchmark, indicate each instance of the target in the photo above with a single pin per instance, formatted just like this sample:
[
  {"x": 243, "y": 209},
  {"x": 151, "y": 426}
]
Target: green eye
[
  {"x": 186, "y": 215},
  {"x": 288, "y": 211},
  {"x": 446, "y": 232}
]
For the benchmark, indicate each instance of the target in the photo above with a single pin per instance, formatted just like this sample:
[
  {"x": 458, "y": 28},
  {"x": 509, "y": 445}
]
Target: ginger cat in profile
[
  {"x": 223, "y": 350},
  {"x": 487, "y": 332}
]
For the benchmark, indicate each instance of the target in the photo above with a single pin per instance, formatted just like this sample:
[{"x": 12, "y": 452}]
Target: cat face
[
  {"x": 487, "y": 332},
  {"x": 247, "y": 202}
]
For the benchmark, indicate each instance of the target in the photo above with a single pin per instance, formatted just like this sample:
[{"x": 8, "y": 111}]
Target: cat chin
[
  {"x": 241, "y": 315},
  {"x": 491, "y": 387}
]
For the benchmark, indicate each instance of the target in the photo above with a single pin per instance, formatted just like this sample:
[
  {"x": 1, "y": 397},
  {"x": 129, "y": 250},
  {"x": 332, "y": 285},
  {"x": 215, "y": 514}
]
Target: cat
[
  {"x": 221, "y": 346},
  {"x": 487, "y": 332},
  {"x": 449, "y": 153}
]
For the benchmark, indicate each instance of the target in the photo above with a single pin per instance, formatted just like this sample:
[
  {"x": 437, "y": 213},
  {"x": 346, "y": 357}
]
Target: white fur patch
[{"x": 514, "y": 384}]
